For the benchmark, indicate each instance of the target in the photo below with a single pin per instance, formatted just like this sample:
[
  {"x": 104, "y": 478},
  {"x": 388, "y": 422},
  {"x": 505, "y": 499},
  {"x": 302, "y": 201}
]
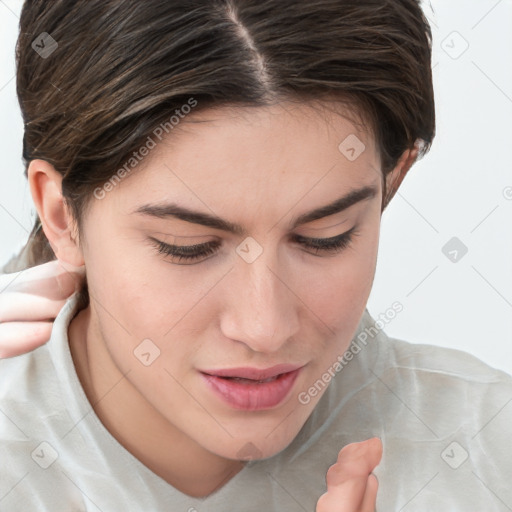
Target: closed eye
[{"x": 330, "y": 245}]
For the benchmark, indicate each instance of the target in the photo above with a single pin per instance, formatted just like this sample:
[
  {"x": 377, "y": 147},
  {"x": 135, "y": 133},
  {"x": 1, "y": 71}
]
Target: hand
[
  {"x": 351, "y": 486},
  {"x": 30, "y": 300}
]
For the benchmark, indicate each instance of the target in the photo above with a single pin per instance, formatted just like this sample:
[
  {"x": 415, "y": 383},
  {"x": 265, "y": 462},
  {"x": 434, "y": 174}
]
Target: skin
[
  {"x": 351, "y": 487},
  {"x": 30, "y": 300},
  {"x": 260, "y": 168}
]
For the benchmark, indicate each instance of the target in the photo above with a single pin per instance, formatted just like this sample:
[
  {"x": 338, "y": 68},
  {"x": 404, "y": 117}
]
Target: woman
[{"x": 219, "y": 171}]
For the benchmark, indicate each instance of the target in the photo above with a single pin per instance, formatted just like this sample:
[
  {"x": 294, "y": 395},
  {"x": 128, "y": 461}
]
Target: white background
[{"x": 462, "y": 188}]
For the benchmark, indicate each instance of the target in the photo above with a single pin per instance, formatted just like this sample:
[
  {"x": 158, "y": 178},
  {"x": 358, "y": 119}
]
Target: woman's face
[{"x": 260, "y": 297}]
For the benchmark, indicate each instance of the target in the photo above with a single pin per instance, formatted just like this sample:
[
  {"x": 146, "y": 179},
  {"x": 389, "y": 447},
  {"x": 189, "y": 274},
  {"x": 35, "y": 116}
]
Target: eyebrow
[{"x": 173, "y": 210}]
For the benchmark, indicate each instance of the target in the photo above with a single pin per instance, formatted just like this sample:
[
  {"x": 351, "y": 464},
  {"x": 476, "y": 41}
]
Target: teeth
[
  {"x": 240, "y": 379},
  {"x": 269, "y": 379}
]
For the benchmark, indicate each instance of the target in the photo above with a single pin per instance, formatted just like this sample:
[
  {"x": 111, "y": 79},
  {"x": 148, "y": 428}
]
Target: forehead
[
  {"x": 313, "y": 116},
  {"x": 284, "y": 135},
  {"x": 235, "y": 159}
]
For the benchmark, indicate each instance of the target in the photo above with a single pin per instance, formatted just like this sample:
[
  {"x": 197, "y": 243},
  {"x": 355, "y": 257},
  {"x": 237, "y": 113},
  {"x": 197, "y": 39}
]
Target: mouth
[{"x": 252, "y": 389}]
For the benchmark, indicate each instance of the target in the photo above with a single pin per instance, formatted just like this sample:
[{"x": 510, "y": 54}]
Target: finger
[
  {"x": 54, "y": 279},
  {"x": 369, "y": 450},
  {"x": 358, "y": 494},
  {"x": 17, "y": 338},
  {"x": 349, "y": 495},
  {"x": 23, "y": 307},
  {"x": 70, "y": 279},
  {"x": 350, "y": 487},
  {"x": 354, "y": 460},
  {"x": 370, "y": 496}
]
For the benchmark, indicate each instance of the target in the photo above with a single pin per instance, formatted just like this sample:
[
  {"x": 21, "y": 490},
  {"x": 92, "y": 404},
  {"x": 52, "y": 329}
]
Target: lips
[
  {"x": 253, "y": 373},
  {"x": 252, "y": 388}
]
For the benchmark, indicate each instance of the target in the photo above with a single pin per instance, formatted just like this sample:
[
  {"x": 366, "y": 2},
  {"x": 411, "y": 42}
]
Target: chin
[{"x": 260, "y": 446}]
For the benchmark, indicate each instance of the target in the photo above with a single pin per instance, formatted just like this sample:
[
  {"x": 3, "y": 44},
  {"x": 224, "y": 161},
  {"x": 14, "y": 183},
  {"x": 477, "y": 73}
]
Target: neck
[{"x": 136, "y": 424}]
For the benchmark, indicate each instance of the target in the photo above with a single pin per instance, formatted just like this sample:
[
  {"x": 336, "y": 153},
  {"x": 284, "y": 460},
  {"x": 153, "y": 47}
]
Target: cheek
[
  {"x": 124, "y": 304},
  {"x": 144, "y": 300},
  {"x": 339, "y": 297},
  {"x": 139, "y": 305},
  {"x": 338, "y": 292}
]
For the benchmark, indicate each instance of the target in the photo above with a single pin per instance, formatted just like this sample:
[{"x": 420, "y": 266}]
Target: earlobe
[{"x": 56, "y": 219}]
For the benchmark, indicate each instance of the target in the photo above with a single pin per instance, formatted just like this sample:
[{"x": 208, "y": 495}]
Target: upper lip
[{"x": 254, "y": 373}]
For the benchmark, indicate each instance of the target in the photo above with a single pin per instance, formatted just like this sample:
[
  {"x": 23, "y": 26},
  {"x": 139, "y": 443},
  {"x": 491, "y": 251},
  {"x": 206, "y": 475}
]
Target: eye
[
  {"x": 331, "y": 245},
  {"x": 185, "y": 252}
]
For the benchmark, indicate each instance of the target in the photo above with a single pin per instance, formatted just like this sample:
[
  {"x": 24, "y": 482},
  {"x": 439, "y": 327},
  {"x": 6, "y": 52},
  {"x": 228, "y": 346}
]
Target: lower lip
[{"x": 252, "y": 395}]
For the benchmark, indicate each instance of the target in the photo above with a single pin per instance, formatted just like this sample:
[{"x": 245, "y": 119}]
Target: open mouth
[
  {"x": 252, "y": 394},
  {"x": 243, "y": 380}
]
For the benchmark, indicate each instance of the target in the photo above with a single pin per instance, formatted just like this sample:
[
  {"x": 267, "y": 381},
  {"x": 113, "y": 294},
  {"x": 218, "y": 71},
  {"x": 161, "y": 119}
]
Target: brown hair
[{"x": 121, "y": 68}]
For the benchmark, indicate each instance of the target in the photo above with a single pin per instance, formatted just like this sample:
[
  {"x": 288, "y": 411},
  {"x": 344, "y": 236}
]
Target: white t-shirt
[{"x": 444, "y": 418}]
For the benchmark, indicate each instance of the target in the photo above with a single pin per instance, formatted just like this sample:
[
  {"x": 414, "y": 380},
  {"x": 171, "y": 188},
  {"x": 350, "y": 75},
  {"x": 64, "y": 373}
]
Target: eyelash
[{"x": 331, "y": 245}]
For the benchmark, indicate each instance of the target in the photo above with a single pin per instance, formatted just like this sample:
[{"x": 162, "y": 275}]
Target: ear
[
  {"x": 56, "y": 219},
  {"x": 396, "y": 176}
]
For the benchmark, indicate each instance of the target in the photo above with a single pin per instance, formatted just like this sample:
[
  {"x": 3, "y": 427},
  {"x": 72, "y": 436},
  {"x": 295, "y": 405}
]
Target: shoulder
[
  {"x": 33, "y": 424},
  {"x": 17, "y": 375},
  {"x": 432, "y": 363},
  {"x": 448, "y": 392},
  {"x": 22, "y": 374},
  {"x": 416, "y": 367},
  {"x": 27, "y": 388},
  {"x": 424, "y": 388},
  {"x": 436, "y": 359},
  {"x": 449, "y": 414}
]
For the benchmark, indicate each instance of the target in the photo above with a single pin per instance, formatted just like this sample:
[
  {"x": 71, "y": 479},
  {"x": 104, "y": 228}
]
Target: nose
[{"x": 263, "y": 307}]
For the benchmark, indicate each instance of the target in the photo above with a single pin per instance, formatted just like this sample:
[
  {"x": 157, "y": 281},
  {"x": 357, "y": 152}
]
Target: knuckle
[
  {"x": 333, "y": 475},
  {"x": 352, "y": 450},
  {"x": 322, "y": 504}
]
